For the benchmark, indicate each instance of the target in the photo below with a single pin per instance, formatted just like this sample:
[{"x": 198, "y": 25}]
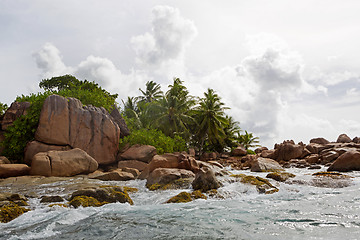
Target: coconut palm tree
[
  {"x": 152, "y": 92},
  {"x": 248, "y": 140},
  {"x": 173, "y": 110},
  {"x": 211, "y": 119}
]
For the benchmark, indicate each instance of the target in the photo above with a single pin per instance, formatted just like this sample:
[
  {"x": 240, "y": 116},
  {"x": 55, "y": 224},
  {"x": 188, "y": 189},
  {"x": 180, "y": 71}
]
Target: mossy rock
[
  {"x": 176, "y": 184},
  {"x": 10, "y": 212},
  {"x": 262, "y": 185},
  {"x": 182, "y": 197},
  {"x": 198, "y": 194},
  {"x": 50, "y": 199},
  {"x": 58, "y": 205},
  {"x": 214, "y": 194},
  {"x": 105, "y": 194},
  {"x": 185, "y": 197},
  {"x": 280, "y": 176},
  {"x": 85, "y": 201},
  {"x": 334, "y": 175}
]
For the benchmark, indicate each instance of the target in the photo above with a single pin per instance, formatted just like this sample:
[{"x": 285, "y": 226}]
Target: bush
[
  {"x": 3, "y": 108},
  {"x": 155, "y": 138}
]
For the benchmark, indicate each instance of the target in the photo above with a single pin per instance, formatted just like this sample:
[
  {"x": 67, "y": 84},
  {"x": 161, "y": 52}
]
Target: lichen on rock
[
  {"x": 280, "y": 176},
  {"x": 262, "y": 185},
  {"x": 11, "y": 211},
  {"x": 85, "y": 201}
]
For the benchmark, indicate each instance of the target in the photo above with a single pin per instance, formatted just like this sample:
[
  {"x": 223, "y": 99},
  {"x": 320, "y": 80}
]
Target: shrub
[
  {"x": 3, "y": 108},
  {"x": 155, "y": 138}
]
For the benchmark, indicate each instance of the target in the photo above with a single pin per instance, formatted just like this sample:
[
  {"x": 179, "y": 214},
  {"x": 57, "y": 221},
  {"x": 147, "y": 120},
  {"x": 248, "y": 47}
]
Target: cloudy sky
[{"x": 287, "y": 70}]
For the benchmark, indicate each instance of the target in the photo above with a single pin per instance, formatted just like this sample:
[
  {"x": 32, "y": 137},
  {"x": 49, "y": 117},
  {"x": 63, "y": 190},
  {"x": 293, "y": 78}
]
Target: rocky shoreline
[{"x": 75, "y": 161}]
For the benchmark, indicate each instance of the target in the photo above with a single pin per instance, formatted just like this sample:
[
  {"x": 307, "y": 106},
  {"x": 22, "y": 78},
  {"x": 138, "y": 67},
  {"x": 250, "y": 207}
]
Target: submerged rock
[
  {"x": 262, "y": 185},
  {"x": 184, "y": 197},
  {"x": 280, "y": 176},
  {"x": 85, "y": 201},
  {"x": 51, "y": 199}
]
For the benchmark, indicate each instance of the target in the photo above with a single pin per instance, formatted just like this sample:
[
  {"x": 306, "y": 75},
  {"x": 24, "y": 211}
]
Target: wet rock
[
  {"x": 85, "y": 201},
  {"x": 314, "y": 167},
  {"x": 343, "y": 138},
  {"x": 349, "y": 161},
  {"x": 10, "y": 212},
  {"x": 133, "y": 171},
  {"x": 205, "y": 180},
  {"x": 262, "y": 185},
  {"x": 185, "y": 197},
  {"x": 143, "y": 153},
  {"x": 265, "y": 165},
  {"x": 13, "y": 170},
  {"x": 166, "y": 175},
  {"x": 105, "y": 194},
  {"x": 51, "y": 199},
  {"x": 328, "y": 156},
  {"x": 63, "y": 163},
  {"x": 280, "y": 176}
]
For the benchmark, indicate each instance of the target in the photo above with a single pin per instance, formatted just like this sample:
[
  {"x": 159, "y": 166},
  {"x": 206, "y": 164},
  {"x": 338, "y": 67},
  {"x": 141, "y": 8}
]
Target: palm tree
[
  {"x": 248, "y": 140},
  {"x": 211, "y": 119},
  {"x": 173, "y": 110},
  {"x": 153, "y": 92},
  {"x": 232, "y": 131}
]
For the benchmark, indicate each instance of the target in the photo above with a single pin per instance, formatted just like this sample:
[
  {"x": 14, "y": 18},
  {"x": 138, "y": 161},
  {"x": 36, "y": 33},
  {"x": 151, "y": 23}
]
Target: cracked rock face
[{"x": 66, "y": 122}]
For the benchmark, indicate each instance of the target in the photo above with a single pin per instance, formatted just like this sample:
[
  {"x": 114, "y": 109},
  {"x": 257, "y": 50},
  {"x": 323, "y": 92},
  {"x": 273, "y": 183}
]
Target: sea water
[{"x": 302, "y": 209}]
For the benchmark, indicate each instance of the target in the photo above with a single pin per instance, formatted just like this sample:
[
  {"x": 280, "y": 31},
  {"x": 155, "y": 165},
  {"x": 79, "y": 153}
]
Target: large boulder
[
  {"x": 239, "y": 151},
  {"x": 168, "y": 160},
  {"x": 116, "y": 175},
  {"x": 34, "y": 147},
  {"x": 265, "y": 165},
  {"x": 66, "y": 122},
  {"x": 319, "y": 140},
  {"x": 120, "y": 121},
  {"x": 16, "y": 110},
  {"x": 63, "y": 163},
  {"x": 343, "y": 138},
  {"x": 348, "y": 161},
  {"x": 13, "y": 170},
  {"x": 288, "y": 150},
  {"x": 356, "y": 140},
  {"x": 167, "y": 175},
  {"x": 141, "y": 166},
  {"x": 205, "y": 180},
  {"x": 143, "y": 153}
]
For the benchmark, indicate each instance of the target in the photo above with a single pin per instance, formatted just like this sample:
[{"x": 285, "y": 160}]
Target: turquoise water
[{"x": 300, "y": 210}]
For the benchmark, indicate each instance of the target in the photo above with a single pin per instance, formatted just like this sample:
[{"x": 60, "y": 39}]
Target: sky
[{"x": 287, "y": 70}]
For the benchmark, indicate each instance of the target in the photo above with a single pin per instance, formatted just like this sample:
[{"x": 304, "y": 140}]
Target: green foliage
[
  {"x": 89, "y": 93},
  {"x": 24, "y": 128},
  {"x": 155, "y": 138},
  {"x": 248, "y": 140},
  {"x": 3, "y": 108},
  {"x": 152, "y": 93}
]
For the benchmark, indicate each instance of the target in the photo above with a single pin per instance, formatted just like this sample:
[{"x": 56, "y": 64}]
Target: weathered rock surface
[
  {"x": 34, "y": 147},
  {"x": 320, "y": 140},
  {"x": 143, "y": 153},
  {"x": 4, "y": 160},
  {"x": 265, "y": 165},
  {"x": 343, "y": 138},
  {"x": 348, "y": 161},
  {"x": 205, "y": 180},
  {"x": 13, "y": 170},
  {"x": 239, "y": 151},
  {"x": 116, "y": 175},
  {"x": 288, "y": 150},
  {"x": 66, "y": 122},
  {"x": 164, "y": 161},
  {"x": 16, "y": 110},
  {"x": 63, "y": 163},
  {"x": 280, "y": 176},
  {"x": 141, "y": 166},
  {"x": 120, "y": 121},
  {"x": 167, "y": 175}
]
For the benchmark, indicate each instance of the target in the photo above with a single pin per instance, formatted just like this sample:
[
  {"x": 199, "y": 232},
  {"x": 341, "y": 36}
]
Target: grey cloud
[{"x": 170, "y": 34}]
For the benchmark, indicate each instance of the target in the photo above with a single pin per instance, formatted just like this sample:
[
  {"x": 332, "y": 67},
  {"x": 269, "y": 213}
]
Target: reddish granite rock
[
  {"x": 16, "y": 110},
  {"x": 320, "y": 140},
  {"x": 348, "y": 161},
  {"x": 143, "y": 153},
  {"x": 141, "y": 166},
  {"x": 167, "y": 175},
  {"x": 13, "y": 170},
  {"x": 34, "y": 147},
  {"x": 265, "y": 165},
  {"x": 343, "y": 138},
  {"x": 239, "y": 151}
]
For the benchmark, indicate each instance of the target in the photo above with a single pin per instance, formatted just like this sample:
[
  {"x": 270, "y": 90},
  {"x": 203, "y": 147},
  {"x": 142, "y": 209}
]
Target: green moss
[
  {"x": 176, "y": 184},
  {"x": 10, "y": 212},
  {"x": 198, "y": 194},
  {"x": 123, "y": 197},
  {"x": 280, "y": 176},
  {"x": 131, "y": 189},
  {"x": 85, "y": 201},
  {"x": 182, "y": 197},
  {"x": 262, "y": 185},
  {"x": 334, "y": 175}
]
